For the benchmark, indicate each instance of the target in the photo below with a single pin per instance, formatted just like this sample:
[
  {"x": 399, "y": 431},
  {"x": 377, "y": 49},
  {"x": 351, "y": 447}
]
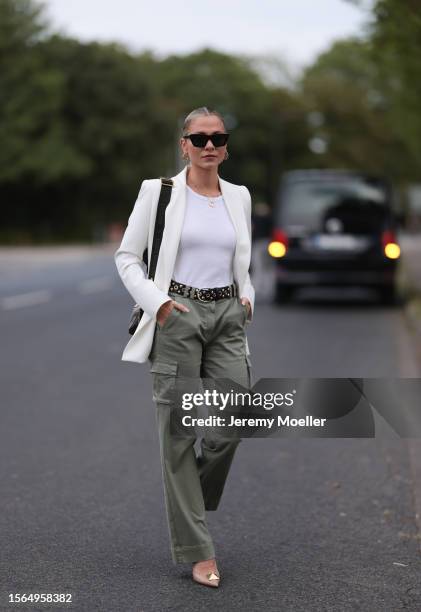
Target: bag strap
[{"x": 164, "y": 198}]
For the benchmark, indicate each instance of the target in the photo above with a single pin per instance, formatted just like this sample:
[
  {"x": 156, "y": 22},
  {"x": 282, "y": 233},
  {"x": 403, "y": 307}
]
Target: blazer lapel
[{"x": 235, "y": 209}]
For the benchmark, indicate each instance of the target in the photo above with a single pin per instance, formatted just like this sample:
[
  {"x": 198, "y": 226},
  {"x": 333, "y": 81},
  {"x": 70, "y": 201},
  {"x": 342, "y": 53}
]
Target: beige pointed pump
[{"x": 207, "y": 578}]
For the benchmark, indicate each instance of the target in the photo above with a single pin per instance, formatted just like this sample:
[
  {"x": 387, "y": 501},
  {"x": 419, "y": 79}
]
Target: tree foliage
[
  {"x": 82, "y": 124},
  {"x": 34, "y": 143},
  {"x": 347, "y": 88},
  {"x": 396, "y": 36}
]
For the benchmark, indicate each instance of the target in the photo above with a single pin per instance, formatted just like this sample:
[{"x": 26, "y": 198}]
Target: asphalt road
[{"x": 304, "y": 525}]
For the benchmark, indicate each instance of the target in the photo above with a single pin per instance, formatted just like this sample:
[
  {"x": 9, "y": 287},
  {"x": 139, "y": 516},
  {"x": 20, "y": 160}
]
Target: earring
[
  {"x": 185, "y": 156},
  {"x": 226, "y": 154}
]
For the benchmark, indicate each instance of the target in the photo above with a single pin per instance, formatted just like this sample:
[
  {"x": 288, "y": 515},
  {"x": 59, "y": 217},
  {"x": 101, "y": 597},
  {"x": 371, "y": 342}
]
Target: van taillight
[
  {"x": 279, "y": 243},
  {"x": 390, "y": 245}
]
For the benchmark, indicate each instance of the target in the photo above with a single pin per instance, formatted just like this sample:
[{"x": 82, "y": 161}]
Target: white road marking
[
  {"x": 25, "y": 299},
  {"x": 94, "y": 285}
]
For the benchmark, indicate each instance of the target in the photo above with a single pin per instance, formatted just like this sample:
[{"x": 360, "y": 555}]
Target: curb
[
  {"x": 414, "y": 452},
  {"x": 413, "y": 313},
  {"x": 411, "y": 295}
]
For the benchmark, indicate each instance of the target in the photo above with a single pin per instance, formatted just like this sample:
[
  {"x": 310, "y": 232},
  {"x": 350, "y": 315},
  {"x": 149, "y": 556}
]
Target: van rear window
[{"x": 360, "y": 205}]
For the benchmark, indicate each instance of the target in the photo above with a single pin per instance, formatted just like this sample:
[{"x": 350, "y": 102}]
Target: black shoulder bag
[{"x": 164, "y": 198}]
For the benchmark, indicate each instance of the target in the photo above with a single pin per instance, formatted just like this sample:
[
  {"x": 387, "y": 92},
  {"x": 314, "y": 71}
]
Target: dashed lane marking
[
  {"x": 25, "y": 299},
  {"x": 95, "y": 285}
]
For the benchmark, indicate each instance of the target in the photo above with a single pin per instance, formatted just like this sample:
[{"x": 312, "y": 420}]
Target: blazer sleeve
[
  {"x": 129, "y": 255},
  {"x": 248, "y": 289}
]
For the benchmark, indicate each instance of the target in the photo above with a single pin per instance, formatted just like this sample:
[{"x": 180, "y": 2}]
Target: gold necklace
[{"x": 211, "y": 202}]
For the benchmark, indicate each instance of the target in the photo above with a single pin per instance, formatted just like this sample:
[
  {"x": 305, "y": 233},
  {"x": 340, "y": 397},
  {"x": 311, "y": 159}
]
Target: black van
[{"x": 334, "y": 227}]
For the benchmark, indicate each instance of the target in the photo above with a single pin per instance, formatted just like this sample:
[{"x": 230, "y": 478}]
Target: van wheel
[{"x": 283, "y": 294}]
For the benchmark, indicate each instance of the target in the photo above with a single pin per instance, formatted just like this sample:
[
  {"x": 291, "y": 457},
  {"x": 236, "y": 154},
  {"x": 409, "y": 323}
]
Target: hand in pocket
[{"x": 166, "y": 309}]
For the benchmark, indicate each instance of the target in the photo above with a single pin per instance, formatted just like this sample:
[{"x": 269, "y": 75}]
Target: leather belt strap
[{"x": 207, "y": 294}]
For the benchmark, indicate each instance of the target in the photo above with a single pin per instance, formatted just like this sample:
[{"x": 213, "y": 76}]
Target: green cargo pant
[{"x": 207, "y": 342}]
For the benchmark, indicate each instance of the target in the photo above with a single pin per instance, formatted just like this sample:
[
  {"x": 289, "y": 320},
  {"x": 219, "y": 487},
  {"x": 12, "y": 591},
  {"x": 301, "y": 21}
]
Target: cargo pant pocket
[
  {"x": 164, "y": 376},
  {"x": 171, "y": 316}
]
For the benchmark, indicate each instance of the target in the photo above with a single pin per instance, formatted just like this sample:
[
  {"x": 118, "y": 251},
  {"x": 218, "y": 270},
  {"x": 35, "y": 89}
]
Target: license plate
[{"x": 340, "y": 242}]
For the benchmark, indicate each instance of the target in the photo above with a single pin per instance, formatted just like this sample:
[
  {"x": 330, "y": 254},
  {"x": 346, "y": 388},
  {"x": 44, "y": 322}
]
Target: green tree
[
  {"x": 396, "y": 36},
  {"x": 34, "y": 145},
  {"x": 114, "y": 113},
  {"x": 346, "y": 87}
]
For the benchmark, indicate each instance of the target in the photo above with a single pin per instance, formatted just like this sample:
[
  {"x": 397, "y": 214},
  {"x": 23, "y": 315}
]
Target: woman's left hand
[{"x": 246, "y": 302}]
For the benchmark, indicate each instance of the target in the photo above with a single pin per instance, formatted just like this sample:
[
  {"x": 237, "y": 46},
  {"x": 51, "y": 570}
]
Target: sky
[{"x": 295, "y": 31}]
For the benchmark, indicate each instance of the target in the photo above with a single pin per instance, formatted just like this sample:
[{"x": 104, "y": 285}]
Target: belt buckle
[{"x": 199, "y": 295}]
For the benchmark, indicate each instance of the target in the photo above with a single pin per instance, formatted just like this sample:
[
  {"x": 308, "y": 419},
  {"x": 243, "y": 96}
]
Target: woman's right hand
[{"x": 165, "y": 309}]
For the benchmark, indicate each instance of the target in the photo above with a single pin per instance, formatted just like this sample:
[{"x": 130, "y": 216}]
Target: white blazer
[{"x": 151, "y": 294}]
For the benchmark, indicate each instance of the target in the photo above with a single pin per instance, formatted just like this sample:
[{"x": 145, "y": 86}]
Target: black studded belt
[{"x": 203, "y": 295}]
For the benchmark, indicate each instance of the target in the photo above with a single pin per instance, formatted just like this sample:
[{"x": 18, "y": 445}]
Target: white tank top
[{"x": 207, "y": 243}]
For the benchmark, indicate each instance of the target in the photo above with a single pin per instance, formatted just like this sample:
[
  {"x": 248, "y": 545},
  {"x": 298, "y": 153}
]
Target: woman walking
[{"x": 195, "y": 314}]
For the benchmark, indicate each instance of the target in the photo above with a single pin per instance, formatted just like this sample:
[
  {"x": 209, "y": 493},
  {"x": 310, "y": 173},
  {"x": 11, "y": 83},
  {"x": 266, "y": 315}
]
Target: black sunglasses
[{"x": 200, "y": 140}]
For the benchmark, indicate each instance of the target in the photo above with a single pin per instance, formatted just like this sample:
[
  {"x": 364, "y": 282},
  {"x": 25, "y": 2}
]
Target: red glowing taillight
[
  {"x": 279, "y": 243},
  {"x": 390, "y": 244}
]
